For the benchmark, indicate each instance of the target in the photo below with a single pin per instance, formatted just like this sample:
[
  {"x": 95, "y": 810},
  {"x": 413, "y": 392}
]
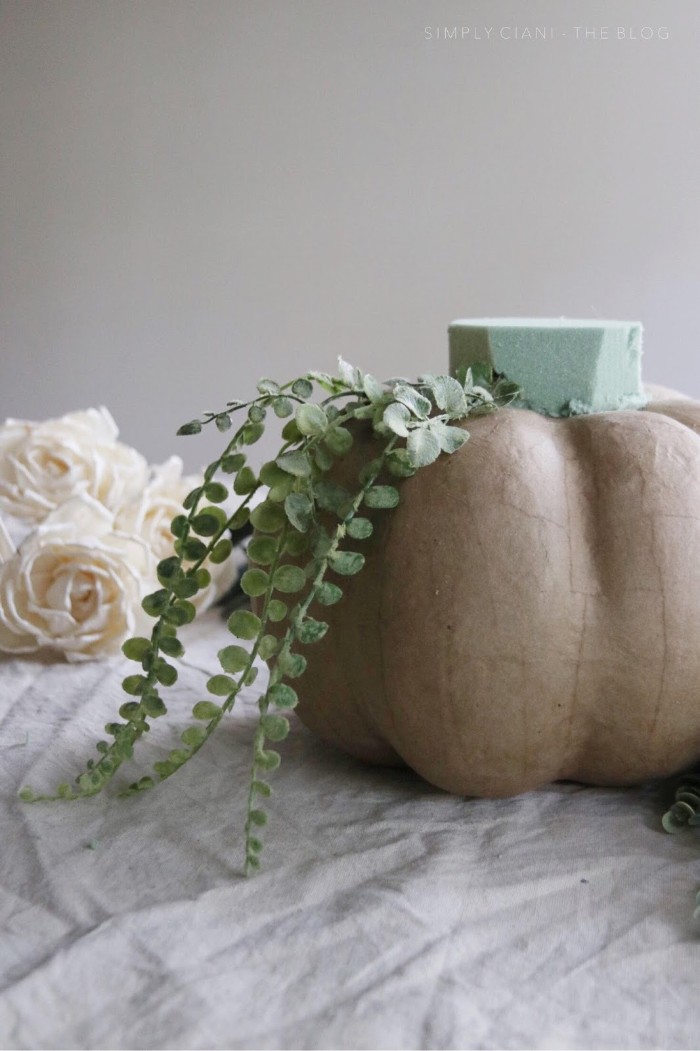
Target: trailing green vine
[{"x": 291, "y": 553}]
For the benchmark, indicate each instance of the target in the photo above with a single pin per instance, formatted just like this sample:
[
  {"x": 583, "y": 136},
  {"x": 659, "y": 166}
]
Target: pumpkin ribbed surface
[{"x": 529, "y": 612}]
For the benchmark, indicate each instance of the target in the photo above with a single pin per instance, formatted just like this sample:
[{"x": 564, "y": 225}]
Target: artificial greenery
[
  {"x": 292, "y": 551},
  {"x": 685, "y": 813}
]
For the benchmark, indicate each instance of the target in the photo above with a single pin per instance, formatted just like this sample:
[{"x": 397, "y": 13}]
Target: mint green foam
[{"x": 564, "y": 367}]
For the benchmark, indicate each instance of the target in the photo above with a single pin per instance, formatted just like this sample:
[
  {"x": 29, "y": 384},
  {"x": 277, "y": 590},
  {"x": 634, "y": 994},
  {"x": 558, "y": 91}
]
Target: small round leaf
[
  {"x": 338, "y": 440},
  {"x": 206, "y": 524},
  {"x": 153, "y": 705},
  {"x": 399, "y": 463},
  {"x": 282, "y": 407},
  {"x": 271, "y": 474},
  {"x": 268, "y": 517},
  {"x": 311, "y": 630},
  {"x": 262, "y": 549},
  {"x": 130, "y": 710},
  {"x": 234, "y": 658},
  {"x": 181, "y": 613},
  {"x": 252, "y": 432},
  {"x": 221, "y": 551},
  {"x": 171, "y": 646},
  {"x": 193, "y": 736},
  {"x": 155, "y": 603},
  {"x": 179, "y": 526},
  {"x": 254, "y": 582},
  {"x": 323, "y": 458},
  {"x": 245, "y": 481},
  {"x": 302, "y": 388},
  {"x": 291, "y": 665},
  {"x": 216, "y": 492},
  {"x": 193, "y": 427},
  {"x": 168, "y": 570},
  {"x": 221, "y": 685},
  {"x": 206, "y": 710},
  {"x": 268, "y": 646},
  {"x": 277, "y": 610},
  {"x": 203, "y": 577},
  {"x": 186, "y": 588},
  {"x": 136, "y": 649},
  {"x": 383, "y": 496},
  {"x": 279, "y": 492},
  {"x": 275, "y": 727},
  {"x": 295, "y": 462},
  {"x": 289, "y": 579},
  {"x": 282, "y": 696},
  {"x": 299, "y": 511},
  {"x": 346, "y": 563},
  {"x": 193, "y": 550},
  {"x": 268, "y": 759},
  {"x": 244, "y": 624},
  {"x": 328, "y": 594},
  {"x": 311, "y": 420},
  {"x": 192, "y": 498},
  {"x": 359, "y": 528},
  {"x": 165, "y": 673},
  {"x": 134, "y": 685},
  {"x": 296, "y": 544},
  {"x": 232, "y": 463}
]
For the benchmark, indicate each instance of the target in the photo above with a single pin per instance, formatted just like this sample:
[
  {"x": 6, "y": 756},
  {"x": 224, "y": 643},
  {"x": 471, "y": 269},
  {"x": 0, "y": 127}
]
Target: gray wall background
[{"x": 196, "y": 193}]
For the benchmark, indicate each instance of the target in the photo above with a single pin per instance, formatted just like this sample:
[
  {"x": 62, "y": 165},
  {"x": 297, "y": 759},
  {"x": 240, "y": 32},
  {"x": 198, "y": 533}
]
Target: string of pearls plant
[{"x": 414, "y": 424}]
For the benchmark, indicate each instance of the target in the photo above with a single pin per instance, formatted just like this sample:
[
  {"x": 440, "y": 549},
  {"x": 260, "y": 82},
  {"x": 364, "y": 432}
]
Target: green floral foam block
[{"x": 564, "y": 367}]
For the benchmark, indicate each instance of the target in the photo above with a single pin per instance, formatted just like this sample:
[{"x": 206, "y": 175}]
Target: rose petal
[
  {"x": 75, "y": 584},
  {"x": 43, "y": 464}
]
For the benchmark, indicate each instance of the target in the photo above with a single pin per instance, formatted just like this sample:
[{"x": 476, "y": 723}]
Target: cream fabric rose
[
  {"x": 44, "y": 464},
  {"x": 150, "y": 517},
  {"x": 75, "y": 584}
]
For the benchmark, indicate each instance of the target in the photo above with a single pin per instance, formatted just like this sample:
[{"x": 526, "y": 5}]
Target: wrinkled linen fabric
[{"x": 387, "y": 915}]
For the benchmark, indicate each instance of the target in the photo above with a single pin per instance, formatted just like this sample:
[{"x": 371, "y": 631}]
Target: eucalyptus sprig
[{"x": 291, "y": 553}]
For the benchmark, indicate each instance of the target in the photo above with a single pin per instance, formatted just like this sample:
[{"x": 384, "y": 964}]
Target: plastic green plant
[{"x": 413, "y": 424}]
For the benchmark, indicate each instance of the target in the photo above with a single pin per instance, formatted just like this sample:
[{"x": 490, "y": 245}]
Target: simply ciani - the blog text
[{"x": 515, "y": 32}]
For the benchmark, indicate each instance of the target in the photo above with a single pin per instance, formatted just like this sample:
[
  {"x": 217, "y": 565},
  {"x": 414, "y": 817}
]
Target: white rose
[
  {"x": 150, "y": 517},
  {"x": 44, "y": 464},
  {"x": 75, "y": 584}
]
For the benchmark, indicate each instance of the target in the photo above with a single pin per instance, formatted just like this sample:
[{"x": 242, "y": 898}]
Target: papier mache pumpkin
[{"x": 531, "y": 609}]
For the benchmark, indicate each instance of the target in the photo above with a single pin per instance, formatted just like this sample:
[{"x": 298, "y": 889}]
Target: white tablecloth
[{"x": 387, "y": 915}]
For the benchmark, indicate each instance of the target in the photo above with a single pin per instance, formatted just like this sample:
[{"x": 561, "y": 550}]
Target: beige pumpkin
[{"x": 530, "y": 611}]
